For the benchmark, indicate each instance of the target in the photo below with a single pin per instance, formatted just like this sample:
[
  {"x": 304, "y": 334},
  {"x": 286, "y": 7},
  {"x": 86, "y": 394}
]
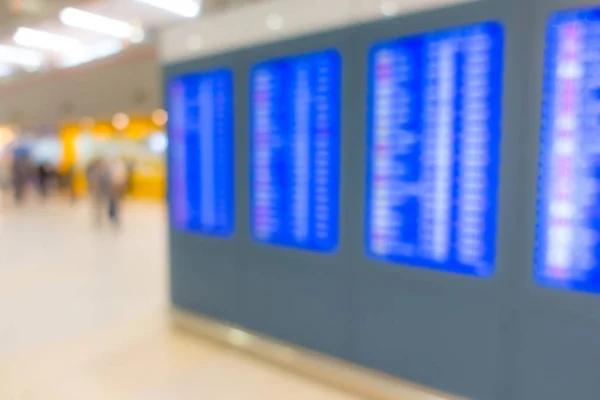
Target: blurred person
[
  {"x": 95, "y": 177},
  {"x": 22, "y": 169},
  {"x": 107, "y": 182},
  {"x": 69, "y": 183},
  {"x": 118, "y": 175},
  {"x": 44, "y": 177},
  {"x": 5, "y": 177},
  {"x": 130, "y": 171}
]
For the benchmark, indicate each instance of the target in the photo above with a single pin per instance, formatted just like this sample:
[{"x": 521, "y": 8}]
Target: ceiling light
[
  {"x": 26, "y": 58},
  {"x": 160, "y": 117},
  {"x": 138, "y": 35},
  {"x": 274, "y": 22},
  {"x": 158, "y": 142},
  {"x": 120, "y": 121},
  {"x": 184, "y": 8},
  {"x": 45, "y": 40},
  {"x": 92, "y": 52},
  {"x": 389, "y": 8},
  {"x": 96, "y": 23},
  {"x": 6, "y": 70}
]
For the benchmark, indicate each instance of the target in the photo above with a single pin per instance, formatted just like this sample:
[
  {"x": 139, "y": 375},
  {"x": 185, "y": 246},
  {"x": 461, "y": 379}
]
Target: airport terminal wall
[{"x": 383, "y": 193}]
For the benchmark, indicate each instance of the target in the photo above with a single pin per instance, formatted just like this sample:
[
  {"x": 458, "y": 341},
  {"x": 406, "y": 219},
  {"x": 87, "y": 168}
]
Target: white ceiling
[
  {"x": 43, "y": 15},
  {"x": 127, "y": 10}
]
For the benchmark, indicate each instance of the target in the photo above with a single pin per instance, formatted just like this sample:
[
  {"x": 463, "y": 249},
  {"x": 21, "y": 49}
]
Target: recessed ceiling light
[
  {"x": 91, "y": 52},
  {"x": 274, "y": 22},
  {"x": 6, "y": 70},
  {"x": 96, "y": 23},
  {"x": 158, "y": 142},
  {"x": 138, "y": 35},
  {"x": 389, "y": 8},
  {"x": 160, "y": 117},
  {"x": 22, "y": 57},
  {"x": 45, "y": 40},
  {"x": 184, "y": 8},
  {"x": 120, "y": 121}
]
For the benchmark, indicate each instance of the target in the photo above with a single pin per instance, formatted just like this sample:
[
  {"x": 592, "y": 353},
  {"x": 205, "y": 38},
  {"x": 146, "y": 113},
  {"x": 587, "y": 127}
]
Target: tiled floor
[{"x": 83, "y": 317}]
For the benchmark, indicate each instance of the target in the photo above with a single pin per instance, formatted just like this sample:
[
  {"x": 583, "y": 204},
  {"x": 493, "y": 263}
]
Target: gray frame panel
[
  {"x": 555, "y": 332},
  {"x": 206, "y": 275},
  {"x": 498, "y": 338},
  {"x": 440, "y": 329},
  {"x": 296, "y": 295}
]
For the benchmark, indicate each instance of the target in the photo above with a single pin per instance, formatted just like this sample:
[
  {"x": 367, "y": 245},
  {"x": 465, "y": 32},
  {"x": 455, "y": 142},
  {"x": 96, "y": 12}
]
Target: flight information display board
[
  {"x": 434, "y": 109},
  {"x": 568, "y": 224},
  {"x": 295, "y": 151},
  {"x": 201, "y": 152}
]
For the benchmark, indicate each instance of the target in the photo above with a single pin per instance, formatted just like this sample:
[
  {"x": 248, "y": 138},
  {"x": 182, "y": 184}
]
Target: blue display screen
[
  {"x": 201, "y": 177},
  {"x": 433, "y": 137},
  {"x": 568, "y": 219},
  {"x": 295, "y": 151}
]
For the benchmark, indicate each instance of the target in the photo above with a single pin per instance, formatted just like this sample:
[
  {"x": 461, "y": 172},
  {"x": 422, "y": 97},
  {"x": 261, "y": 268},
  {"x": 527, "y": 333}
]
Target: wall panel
[{"x": 500, "y": 337}]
